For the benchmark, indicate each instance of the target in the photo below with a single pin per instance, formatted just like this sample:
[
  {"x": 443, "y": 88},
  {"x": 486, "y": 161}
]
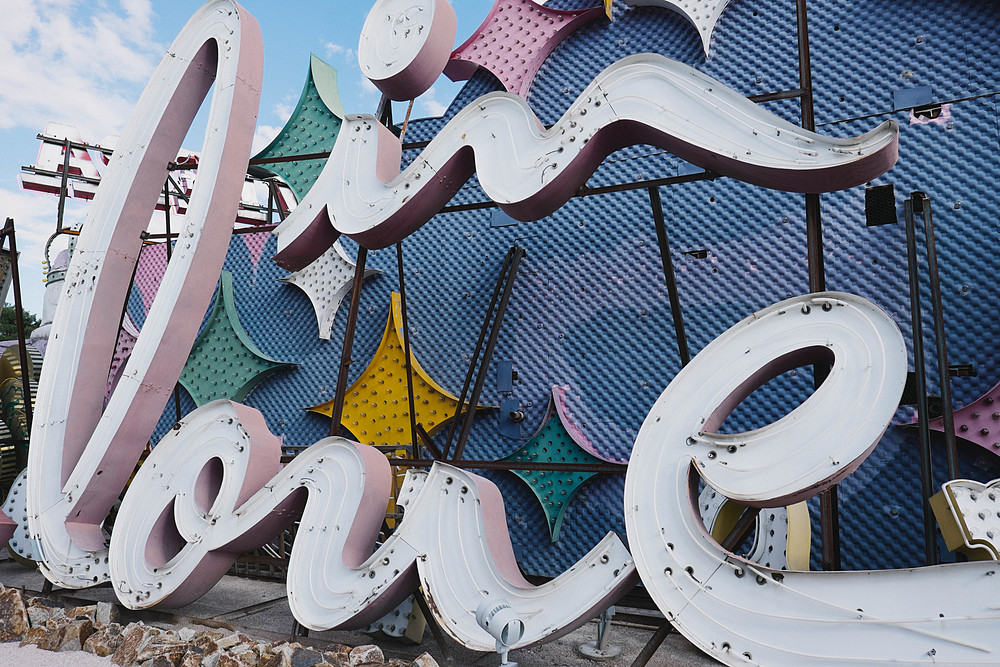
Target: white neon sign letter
[
  {"x": 743, "y": 613},
  {"x": 80, "y": 458}
]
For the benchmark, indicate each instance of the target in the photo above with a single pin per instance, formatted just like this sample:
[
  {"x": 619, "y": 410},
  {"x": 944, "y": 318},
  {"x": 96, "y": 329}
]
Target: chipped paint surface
[{"x": 405, "y": 45}]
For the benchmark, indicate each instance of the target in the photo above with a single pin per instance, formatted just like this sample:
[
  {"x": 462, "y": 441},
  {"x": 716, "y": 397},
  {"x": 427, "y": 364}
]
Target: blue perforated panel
[{"x": 589, "y": 307}]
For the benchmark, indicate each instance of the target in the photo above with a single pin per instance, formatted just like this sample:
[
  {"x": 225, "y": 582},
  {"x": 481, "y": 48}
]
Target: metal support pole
[
  {"x": 170, "y": 247},
  {"x": 345, "y": 354},
  {"x": 491, "y": 343},
  {"x": 63, "y": 187},
  {"x": 829, "y": 512},
  {"x": 654, "y": 643},
  {"x": 439, "y": 637},
  {"x": 272, "y": 195},
  {"x": 475, "y": 354},
  {"x": 741, "y": 531},
  {"x": 922, "y": 204},
  {"x": 406, "y": 349},
  {"x": 20, "y": 455},
  {"x": 926, "y": 463},
  {"x": 270, "y": 203},
  {"x": 669, "y": 276}
]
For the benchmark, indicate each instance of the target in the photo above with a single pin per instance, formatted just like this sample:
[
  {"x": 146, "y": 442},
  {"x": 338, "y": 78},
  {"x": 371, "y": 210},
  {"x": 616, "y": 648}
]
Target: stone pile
[{"x": 95, "y": 628}]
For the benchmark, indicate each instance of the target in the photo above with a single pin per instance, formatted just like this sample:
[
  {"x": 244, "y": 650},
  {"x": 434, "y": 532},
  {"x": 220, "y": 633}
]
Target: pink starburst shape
[{"x": 514, "y": 40}]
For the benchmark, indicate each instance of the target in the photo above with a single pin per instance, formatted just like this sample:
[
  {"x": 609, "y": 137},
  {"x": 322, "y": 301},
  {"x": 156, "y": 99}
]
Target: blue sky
[{"x": 84, "y": 63}]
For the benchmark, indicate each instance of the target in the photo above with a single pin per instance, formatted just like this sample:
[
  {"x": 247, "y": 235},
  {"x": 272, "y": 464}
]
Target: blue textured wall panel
[{"x": 590, "y": 307}]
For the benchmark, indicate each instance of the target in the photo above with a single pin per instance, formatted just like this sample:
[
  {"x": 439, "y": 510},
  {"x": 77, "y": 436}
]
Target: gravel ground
[
  {"x": 260, "y": 610},
  {"x": 12, "y": 655}
]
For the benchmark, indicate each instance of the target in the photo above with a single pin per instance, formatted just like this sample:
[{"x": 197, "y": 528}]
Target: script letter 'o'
[
  {"x": 742, "y": 613},
  {"x": 80, "y": 457}
]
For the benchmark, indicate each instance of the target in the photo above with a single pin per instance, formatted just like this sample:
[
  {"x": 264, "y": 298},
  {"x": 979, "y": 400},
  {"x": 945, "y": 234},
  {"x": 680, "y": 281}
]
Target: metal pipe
[
  {"x": 439, "y": 637},
  {"x": 20, "y": 453},
  {"x": 948, "y": 416},
  {"x": 475, "y": 354},
  {"x": 829, "y": 511},
  {"x": 170, "y": 247},
  {"x": 741, "y": 530},
  {"x": 491, "y": 343},
  {"x": 647, "y": 652},
  {"x": 669, "y": 276},
  {"x": 548, "y": 466},
  {"x": 926, "y": 462},
  {"x": 257, "y": 229},
  {"x": 63, "y": 186},
  {"x": 346, "y": 350},
  {"x": 406, "y": 348}
]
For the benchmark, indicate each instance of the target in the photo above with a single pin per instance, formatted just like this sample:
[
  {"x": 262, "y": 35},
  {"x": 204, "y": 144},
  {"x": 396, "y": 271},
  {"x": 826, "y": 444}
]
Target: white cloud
[
  {"x": 331, "y": 50},
  {"x": 429, "y": 105},
  {"x": 80, "y": 64},
  {"x": 263, "y": 135},
  {"x": 66, "y": 65},
  {"x": 368, "y": 88},
  {"x": 282, "y": 111}
]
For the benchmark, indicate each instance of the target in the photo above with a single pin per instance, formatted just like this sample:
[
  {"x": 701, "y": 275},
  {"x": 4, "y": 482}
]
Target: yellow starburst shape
[{"x": 377, "y": 405}]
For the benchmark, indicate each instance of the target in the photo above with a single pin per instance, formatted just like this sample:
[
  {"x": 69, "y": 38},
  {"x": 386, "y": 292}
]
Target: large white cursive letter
[
  {"x": 80, "y": 458},
  {"x": 743, "y": 613},
  {"x": 202, "y": 498}
]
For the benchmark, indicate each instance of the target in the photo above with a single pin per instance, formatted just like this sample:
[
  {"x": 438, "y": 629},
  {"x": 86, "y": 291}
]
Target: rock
[
  {"x": 274, "y": 660},
  {"x": 207, "y": 642},
  {"x": 244, "y": 659},
  {"x": 89, "y": 612},
  {"x": 73, "y": 635},
  {"x": 14, "y": 620},
  {"x": 40, "y": 611},
  {"x": 35, "y": 635},
  {"x": 106, "y": 613},
  {"x": 158, "y": 661},
  {"x": 424, "y": 660},
  {"x": 286, "y": 649},
  {"x": 135, "y": 638},
  {"x": 105, "y": 641},
  {"x": 228, "y": 641},
  {"x": 166, "y": 650},
  {"x": 192, "y": 659},
  {"x": 186, "y": 634},
  {"x": 338, "y": 655},
  {"x": 366, "y": 653},
  {"x": 304, "y": 657},
  {"x": 212, "y": 659}
]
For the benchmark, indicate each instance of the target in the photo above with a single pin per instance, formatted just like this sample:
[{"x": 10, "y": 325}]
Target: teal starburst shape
[
  {"x": 554, "y": 490},
  {"x": 312, "y": 128},
  {"x": 224, "y": 362}
]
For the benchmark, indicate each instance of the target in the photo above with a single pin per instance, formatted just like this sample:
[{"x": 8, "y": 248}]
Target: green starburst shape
[
  {"x": 554, "y": 490},
  {"x": 312, "y": 128},
  {"x": 224, "y": 362}
]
